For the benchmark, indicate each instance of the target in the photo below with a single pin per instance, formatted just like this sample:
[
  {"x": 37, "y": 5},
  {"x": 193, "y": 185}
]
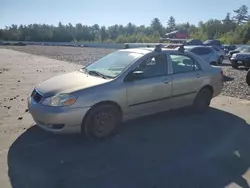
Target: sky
[{"x": 110, "y": 12}]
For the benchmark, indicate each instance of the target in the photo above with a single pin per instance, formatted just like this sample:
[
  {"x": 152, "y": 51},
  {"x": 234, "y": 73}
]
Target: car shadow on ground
[
  {"x": 243, "y": 68},
  {"x": 225, "y": 65},
  {"x": 227, "y": 78},
  {"x": 173, "y": 149}
]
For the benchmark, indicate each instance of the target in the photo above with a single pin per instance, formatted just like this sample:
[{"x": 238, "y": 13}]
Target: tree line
[{"x": 233, "y": 29}]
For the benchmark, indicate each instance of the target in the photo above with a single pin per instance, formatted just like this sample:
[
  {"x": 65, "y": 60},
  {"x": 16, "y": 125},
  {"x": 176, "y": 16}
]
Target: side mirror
[{"x": 134, "y": 75}]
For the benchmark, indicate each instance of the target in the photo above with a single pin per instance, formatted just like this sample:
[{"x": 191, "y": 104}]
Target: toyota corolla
[{"x": 125, "y": 84}]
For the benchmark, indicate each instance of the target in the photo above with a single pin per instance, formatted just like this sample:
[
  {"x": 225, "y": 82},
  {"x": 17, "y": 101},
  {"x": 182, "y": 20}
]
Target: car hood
[
  {"x": 68, "y": 83},
  {"x": 242, "y": 55}
]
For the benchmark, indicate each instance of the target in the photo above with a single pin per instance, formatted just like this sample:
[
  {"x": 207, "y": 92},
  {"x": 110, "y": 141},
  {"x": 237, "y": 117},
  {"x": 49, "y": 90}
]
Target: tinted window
[
  {"x": 205, "y": 51},
  {"x": 182, "y": 63},
  {"x": 201, "y": 51},
  {"x": 195, "y": 51},
  {"x": 154, "y": 66},
  {"x": 212, "y": 42},
  {"x": 215, "y": 48}
]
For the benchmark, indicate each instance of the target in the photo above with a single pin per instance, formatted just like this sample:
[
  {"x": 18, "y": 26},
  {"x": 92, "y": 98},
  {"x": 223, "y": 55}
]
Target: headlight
[
  {"x": 234, "y": 55},
  {"x": 60, "y": 100}
]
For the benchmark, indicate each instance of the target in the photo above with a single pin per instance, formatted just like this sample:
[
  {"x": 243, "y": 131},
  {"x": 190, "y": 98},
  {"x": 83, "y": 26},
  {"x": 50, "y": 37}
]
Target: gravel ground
[{"x": 235, "y": 84}]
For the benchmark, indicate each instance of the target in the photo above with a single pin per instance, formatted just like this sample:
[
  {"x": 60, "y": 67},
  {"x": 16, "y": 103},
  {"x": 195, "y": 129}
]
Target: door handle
[
  {"x": 165, "y": 81},
  {"x": 198, "y": 75}
]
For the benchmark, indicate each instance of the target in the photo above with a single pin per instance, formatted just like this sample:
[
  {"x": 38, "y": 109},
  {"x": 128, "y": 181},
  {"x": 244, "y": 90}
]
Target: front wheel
[
  {"x": 101, "y": 121},
  {"x": 220, "y": 59},
  {"x": 248, "y": 77},
  {"x": 234, "y": 64},
  {"x": 202, "y": 100}
]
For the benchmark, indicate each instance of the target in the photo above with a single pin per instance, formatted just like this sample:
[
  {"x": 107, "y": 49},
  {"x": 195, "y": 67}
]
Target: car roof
[
  {"x": 196, "y": 46},
  {"x": 145, "y": 51},
  {"x": 138, "y": 50}
]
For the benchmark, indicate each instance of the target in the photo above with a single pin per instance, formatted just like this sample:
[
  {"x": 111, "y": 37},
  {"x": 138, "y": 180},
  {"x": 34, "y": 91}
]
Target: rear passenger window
[
  {"x": 182, "y": 64},
  {"x": 206, "y": 51},
  {"x": 196, "y": 51}
]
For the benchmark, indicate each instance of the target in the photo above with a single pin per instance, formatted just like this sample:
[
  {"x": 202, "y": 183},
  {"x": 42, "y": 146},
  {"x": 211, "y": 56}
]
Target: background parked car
[
  {"x": 220, "y": 54},
  {"x": 242, "y": 58},
  {"x": 193, "y": 42},
  {"x": 228, "y": 48},
  {"x": 237, "y": 50},
  {"x": 205, "y": 52},
  {"x": 213, "y": 43}
]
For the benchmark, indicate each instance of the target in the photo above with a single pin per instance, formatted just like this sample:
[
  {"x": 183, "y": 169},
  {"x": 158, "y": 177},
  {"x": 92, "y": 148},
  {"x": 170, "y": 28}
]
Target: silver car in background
[
  {"x": 123, "y": 85},
  {"x": 221, "y": 54},
  {"x": 205, "y": 52}
]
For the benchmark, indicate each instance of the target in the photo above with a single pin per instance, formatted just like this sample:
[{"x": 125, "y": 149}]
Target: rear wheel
[
  {"x": 101, "y": 121},
  {"x": 202, "y": 100}
]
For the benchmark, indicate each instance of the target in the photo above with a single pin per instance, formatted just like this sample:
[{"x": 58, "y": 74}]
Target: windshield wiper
[{"x": 96, "y": 73}]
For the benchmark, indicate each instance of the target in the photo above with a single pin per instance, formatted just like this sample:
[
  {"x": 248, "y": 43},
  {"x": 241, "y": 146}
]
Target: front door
[{"x": 149, "y": 93}]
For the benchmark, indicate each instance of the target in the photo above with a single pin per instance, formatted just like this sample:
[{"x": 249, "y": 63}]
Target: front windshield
[
  {"x": 207, "y": 42},
  {"x": 247, "y": 49},
  {"x": 114, "y": 64},
  {"x": 240, "y": 48}
]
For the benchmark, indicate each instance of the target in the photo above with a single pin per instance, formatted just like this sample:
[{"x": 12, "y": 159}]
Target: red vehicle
[{"x": 178, "y": 34}]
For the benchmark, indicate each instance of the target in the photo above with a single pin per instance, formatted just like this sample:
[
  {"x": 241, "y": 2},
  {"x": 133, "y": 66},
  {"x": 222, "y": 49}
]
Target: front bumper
[
  {"x": 57, "y": 119},
  {"x": 244, "y": 62}
]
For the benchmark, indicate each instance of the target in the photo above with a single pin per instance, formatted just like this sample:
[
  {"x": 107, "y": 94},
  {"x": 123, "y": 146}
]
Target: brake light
[{"x": 221, "y": 72}]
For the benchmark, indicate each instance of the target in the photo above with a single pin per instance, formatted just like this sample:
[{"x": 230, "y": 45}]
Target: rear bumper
[
  {"x": 59, "y": 120},
  {"x": 218, "y": 89}
]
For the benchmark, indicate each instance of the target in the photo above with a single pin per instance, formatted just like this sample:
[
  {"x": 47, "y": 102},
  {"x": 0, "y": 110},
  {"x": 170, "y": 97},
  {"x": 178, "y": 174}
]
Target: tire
[
  {"x": 234, "y": 64},
  {"x": 220, "y": 60},
  {"x": 202, "y": 100},
  {"x": 248, "y": 77},
  {"x": 102, "y": 121}
]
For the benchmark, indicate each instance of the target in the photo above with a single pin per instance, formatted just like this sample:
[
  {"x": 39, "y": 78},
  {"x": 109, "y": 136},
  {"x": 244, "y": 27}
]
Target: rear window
[
  {"x": 201, "y": 51},
  {"x": 216, "y": 49},
  {"x": 247, "y": 49},
  {"x": 212, "y": 42}
]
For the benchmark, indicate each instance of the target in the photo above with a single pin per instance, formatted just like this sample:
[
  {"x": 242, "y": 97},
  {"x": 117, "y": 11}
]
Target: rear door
[
  {"x": 207, "y": 54},
  {"x": 187, "y": 79}
]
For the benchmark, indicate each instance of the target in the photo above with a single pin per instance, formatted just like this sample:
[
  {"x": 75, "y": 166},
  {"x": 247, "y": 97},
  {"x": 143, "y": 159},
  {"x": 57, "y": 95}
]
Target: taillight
[{"x": 221, "y": 72}]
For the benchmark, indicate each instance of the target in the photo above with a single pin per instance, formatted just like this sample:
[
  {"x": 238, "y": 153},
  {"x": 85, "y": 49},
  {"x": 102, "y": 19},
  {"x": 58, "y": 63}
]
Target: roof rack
[
  {"x": 158, "y": 48},
  {"x": 181, "y": 49}
]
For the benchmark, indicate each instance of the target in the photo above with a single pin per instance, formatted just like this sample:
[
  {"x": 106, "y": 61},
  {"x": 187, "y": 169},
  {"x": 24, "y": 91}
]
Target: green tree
[
  {"x": 241, "y": 15},
  {"x": 171, "y": 25},
  {"x": 103, "y": 33},
  {"x": 157, "y": 26}
]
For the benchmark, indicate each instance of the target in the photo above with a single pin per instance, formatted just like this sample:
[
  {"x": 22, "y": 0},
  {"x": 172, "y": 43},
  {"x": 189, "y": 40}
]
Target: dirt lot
[{"x": 174, "y": 149}]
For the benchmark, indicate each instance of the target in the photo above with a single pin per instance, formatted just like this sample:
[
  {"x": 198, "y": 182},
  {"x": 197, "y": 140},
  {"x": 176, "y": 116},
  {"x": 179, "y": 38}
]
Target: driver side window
[{"x": 154, "y": 66}]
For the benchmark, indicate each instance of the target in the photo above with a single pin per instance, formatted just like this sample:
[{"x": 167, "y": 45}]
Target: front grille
[{"x": 36, "y": 96}]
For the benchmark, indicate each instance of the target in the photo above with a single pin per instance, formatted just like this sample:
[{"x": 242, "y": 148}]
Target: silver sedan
[
  {"x": 123, "y": 85},
  {"x": 207, "y": 53}
]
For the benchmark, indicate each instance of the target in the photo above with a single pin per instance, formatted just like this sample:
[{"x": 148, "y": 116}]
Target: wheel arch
[
  {"x": 111, "y": 103},
  {"x": 208, "y": 87}
]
